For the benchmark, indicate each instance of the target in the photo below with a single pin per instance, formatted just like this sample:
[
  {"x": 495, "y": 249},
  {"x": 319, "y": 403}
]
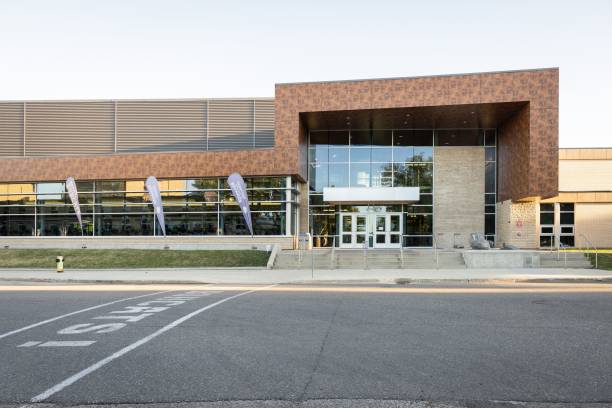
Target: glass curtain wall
[
  {"x": 372, "y": 158},
  {"x": 122, "y": 208},
  {"x": 390, "y": 158}
]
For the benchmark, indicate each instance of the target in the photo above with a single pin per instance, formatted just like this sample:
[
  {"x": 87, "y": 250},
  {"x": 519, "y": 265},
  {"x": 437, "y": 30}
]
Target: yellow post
[{"x": 59, "y": 264}]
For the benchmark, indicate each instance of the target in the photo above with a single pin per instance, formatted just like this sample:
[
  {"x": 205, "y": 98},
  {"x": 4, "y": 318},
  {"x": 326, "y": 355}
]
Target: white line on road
[
  {"x": 73, "y": 343},
  {"x": 76, "y": 377},
  {"x": 77, "y": 312},
  {"x": 29, "y": 344},
  {"x": 70, "y": 343}
]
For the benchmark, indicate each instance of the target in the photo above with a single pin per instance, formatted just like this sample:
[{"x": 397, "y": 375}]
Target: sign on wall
[
  {"x": 239, "y": 191},
  {"x": 152, "y": 187},
  {"x": 71, "y": 188}
]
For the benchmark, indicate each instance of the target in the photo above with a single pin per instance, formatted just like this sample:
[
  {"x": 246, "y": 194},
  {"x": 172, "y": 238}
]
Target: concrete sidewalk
[{"x": 260, "y": 276}]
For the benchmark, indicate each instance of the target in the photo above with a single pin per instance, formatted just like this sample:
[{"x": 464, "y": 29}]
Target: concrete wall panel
[{"x": 458, "y": 193}]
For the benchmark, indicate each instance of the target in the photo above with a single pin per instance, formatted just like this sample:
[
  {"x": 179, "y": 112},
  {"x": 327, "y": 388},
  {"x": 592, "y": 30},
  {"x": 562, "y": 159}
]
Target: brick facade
[{"x": 528, "y": 141}]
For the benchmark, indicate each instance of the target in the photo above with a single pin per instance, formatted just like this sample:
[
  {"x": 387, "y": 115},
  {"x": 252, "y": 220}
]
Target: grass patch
[
  {"x": 130, "y": 258},
  {"x": 604, "y": 261}
]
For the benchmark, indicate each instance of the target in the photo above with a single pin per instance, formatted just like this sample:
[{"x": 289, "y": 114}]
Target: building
[
  {"x": 383, "y": 162},
  {"x": 580, "y": 215}
]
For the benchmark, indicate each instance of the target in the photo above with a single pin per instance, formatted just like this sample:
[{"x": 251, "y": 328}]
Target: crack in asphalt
[{"x": 321, "y": 349}]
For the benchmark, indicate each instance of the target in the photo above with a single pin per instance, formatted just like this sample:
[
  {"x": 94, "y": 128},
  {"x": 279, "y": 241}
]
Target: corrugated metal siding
[
  {"x": 103, "y": 127},
  {"x": 230, "y": 124},
  {"x": 11, "y": 129},
  {"x": 57, "y": 128},
  {"x": 147, "y": 126},
  {"x": 264, "y": 123}
]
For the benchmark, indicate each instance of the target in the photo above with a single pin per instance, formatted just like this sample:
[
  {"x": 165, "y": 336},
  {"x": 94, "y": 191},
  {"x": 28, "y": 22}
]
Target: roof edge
[
  {"x": 418, "y": 76},
  {"x": 254, "y": 98}
]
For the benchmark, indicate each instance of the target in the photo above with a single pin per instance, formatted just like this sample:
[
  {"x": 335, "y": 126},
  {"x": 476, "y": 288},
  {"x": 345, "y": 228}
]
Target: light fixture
[
  {"x": 407, "y": 115},
  {"x": 464, "y": 122},
  {"x": 405, "y": 122},
  {"x": 472, "y": 112}
]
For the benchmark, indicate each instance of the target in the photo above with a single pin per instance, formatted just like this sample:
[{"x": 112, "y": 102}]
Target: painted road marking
[
  {"x": 76, "y": 377},
  {"x": 29, "y": 344},
  {"x": 80, "y": 328},
  {"x": 80, "y": 343},
  {"x": 77, "y": 312}
]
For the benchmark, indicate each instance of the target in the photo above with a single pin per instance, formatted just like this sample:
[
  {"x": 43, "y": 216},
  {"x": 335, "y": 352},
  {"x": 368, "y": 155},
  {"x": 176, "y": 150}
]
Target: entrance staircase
[
  {"x": 371, "y": 259},
  {"x": 564, "y": 260}
]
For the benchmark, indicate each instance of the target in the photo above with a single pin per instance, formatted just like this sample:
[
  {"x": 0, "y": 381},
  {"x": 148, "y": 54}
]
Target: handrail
[
  {"x": 333, "y": 253},
  {"x": 559, "y": 247},
  {"x": 366, "y": 244},
  {"x": 435, "y": 248},
  {"x": 590, "y": 245}
]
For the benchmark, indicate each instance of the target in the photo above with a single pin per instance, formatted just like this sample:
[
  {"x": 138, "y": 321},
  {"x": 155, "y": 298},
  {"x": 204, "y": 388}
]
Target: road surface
[{"x": 306, "y": 346}]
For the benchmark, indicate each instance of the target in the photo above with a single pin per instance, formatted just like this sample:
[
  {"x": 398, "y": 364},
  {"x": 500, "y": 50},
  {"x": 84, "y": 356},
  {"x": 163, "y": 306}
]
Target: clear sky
[{"x": 105, "y": 49}]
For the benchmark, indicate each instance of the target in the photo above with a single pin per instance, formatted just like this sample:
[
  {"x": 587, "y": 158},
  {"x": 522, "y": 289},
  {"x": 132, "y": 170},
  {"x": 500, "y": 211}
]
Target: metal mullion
[
  {"x": 207, "y": 124},
  {"x": 115, "y": 125},
  {"x": 25, "y": 110}
]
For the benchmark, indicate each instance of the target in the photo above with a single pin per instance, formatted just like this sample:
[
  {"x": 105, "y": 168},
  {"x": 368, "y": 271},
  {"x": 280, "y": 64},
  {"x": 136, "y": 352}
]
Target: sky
[{"x": 117, "y": 49}]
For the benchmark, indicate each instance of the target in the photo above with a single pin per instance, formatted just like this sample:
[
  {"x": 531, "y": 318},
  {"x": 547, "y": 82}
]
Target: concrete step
[
  {"x": 376, "y": 259},
  {"x": 565, "y": 260}
]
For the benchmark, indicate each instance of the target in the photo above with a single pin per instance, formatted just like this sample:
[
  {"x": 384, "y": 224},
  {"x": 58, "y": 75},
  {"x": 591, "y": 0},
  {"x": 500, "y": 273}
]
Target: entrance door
[
  {"x": 387, "y": 230},
  {"x": 353, "y": 230},
  {"x": 377, "y": 230}
]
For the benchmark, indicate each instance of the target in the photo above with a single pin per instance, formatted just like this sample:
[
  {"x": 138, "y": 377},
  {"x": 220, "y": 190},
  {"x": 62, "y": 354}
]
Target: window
[
  {"x": 121, "y": 207},
  {"x": 566, "y": 221},
  {"x": 390, "y": 158},
  {"x": 547, "y": 225}
]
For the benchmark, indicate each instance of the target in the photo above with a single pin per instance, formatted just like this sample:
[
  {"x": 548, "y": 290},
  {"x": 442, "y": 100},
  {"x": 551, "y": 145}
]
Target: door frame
[
  {"x": 386, "y": 234},
  {"x": 362, "y": 228}
]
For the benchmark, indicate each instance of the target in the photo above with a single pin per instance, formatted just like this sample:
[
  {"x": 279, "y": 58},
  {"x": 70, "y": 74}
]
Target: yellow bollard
[{"x": 59, "y": 264}]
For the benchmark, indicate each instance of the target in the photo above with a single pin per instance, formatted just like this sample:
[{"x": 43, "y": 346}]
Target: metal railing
[
  {"x": 591, "y": 247},
  {"x": 332, "y": 256},
  {"x": 559, "y": 247},
  {"x": 366, "y": 247},
  {"x": 435, "y": 248}
]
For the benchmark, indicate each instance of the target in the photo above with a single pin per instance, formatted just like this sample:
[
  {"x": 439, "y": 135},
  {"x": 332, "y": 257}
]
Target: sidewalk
[{"x": 260, "y": 276}]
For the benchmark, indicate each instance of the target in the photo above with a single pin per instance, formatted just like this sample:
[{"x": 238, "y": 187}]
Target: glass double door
[{"x": 374, "y": 230}]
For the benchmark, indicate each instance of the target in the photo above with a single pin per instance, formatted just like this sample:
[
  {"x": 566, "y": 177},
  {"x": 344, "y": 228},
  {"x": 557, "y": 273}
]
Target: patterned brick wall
[
  {"x": 530, "y": 145},
  {"x": 252, "y": 162},
  {"x": 529, "y": 141}
]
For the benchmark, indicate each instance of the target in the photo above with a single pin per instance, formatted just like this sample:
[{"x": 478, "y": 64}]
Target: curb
[
  {"x": 106, "y": 282},
  {"x": 398, "y": 281}
]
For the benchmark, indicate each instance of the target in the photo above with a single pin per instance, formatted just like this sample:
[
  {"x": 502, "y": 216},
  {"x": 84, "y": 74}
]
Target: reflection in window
[
  {"x": 191, "y": 209},
  {"x": 360, "y": 154},
  {"x": 382, "y": 154},
  {"x": 339, "y": 155},
  {"x": 338, "y": 175},
  {"x": 382, "y": 175},
  {"x": 360, "y": 175}
]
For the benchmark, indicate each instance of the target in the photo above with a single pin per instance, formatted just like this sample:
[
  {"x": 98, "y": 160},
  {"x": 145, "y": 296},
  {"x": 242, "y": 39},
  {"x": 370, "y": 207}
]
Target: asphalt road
[{"x": 365, "y": 347}]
